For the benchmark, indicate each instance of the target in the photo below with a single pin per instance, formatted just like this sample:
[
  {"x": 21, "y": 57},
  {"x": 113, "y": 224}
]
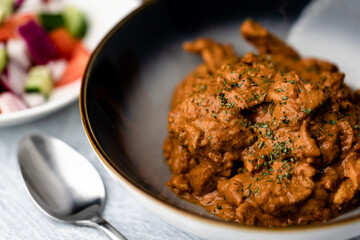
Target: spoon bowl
[{"x": 62, "y": 183}]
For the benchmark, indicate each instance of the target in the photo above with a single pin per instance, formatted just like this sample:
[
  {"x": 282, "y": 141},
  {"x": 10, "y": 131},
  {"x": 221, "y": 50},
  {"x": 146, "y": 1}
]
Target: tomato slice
[
  {"x": 8, "y": 29},
  {"x": 76, "y": 65},
  {"x": 64, "y": 42}
]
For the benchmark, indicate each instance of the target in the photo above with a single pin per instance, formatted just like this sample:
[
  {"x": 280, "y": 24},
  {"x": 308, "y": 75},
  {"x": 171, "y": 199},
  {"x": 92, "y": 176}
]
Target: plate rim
[{"x": 33, "y": 112}]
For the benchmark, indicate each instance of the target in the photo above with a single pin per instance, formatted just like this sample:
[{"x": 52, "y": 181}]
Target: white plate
[{"x": 101, "y": 17}]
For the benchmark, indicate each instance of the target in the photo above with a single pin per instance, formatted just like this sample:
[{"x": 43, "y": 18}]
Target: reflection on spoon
[{"x": 62, "y": 183}]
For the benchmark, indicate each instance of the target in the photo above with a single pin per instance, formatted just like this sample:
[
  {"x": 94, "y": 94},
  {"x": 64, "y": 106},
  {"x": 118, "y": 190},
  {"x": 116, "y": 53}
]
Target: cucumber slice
[
  {"x": 39, "y": 80},
  {"x": 3, "y": 57},
  {"x": 6, "y": 9},
  {"x": 75, "y": 21},
  {"x": 51, "y": 21}
]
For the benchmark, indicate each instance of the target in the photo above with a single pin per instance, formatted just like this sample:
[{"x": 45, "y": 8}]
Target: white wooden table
[{"x": 20, "y": 218}]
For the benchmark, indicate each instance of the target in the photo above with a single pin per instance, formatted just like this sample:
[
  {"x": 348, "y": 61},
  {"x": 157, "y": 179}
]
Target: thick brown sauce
[{"x": 269, "y": 139}]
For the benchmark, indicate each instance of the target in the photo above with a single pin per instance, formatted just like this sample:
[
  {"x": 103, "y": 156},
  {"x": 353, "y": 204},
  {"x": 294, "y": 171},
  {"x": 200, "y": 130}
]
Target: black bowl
[{"x": 127, "y": 87}]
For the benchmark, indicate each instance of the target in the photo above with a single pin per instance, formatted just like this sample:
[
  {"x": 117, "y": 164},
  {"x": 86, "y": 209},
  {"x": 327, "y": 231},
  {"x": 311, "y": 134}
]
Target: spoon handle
[{"x": 108, "y": 228}]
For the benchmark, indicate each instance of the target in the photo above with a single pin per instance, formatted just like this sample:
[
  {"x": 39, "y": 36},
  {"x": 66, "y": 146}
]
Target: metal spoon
[{"x": 62, "y": 183}]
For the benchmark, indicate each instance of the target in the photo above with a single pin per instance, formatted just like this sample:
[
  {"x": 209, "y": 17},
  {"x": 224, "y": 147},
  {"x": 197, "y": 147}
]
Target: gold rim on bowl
[{"x": 146, "y": 193}]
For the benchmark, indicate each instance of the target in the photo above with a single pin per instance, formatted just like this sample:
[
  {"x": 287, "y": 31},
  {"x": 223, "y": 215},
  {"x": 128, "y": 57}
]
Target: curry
[{"x": 268, "y": 139}]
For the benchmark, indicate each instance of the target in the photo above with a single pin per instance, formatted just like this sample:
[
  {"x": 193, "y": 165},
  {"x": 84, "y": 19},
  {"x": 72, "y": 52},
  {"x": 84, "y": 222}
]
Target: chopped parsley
[{"x": 307, "y": 111}]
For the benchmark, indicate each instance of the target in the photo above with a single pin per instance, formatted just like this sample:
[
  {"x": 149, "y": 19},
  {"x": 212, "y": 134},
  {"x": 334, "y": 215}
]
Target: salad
[{"x": 39, "y": 52}]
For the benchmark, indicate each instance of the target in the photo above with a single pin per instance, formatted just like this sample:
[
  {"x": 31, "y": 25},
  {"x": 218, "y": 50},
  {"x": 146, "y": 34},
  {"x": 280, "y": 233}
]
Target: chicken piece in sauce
[{"x": 269, "y": 139}]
